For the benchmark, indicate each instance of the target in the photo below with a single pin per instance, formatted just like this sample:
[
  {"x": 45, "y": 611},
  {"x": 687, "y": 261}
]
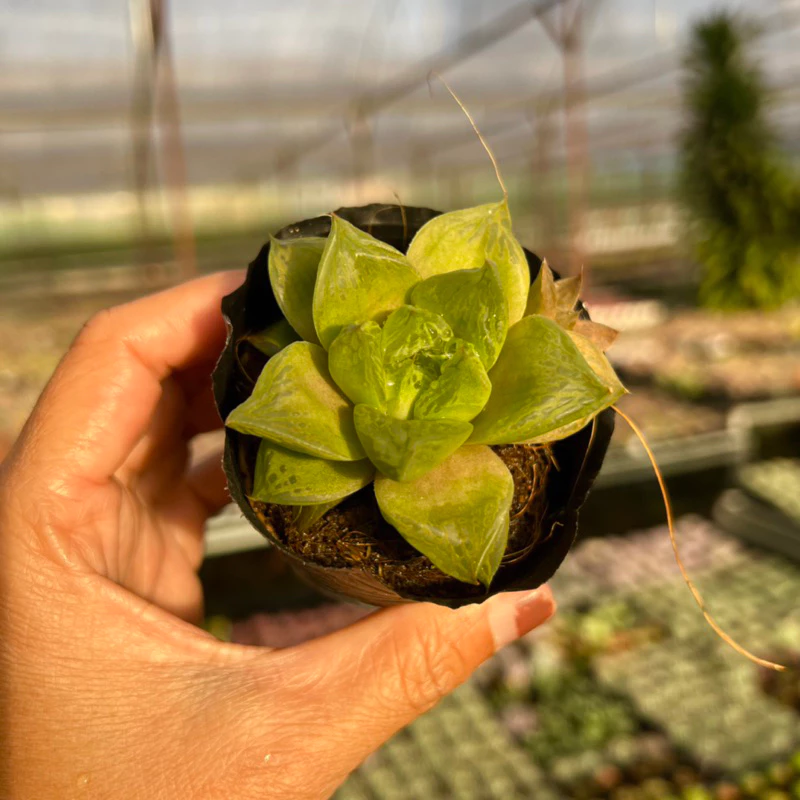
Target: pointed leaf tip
[
  {"x": 473, "y": 303},
  {"x": 466, "y": 239},
  {"x": 407, "y": 449},
  {"x": 540, "y": 384},
  {"x": 295, "y": 403},
  {"x": 555, "y": 299},
  {"x": 355, "y": 360},
  {"x": 568, "y": 290},
  {"x": 598, "y": 362},
  {"x": 360, "y": 279},
  {"x": 293, "y": 265},
  {"x": 290, "y": 478},
  {"x": 600, "y": 335},
  {"x": 306, "y": 517},
  {"x": 457, "y": 515}
]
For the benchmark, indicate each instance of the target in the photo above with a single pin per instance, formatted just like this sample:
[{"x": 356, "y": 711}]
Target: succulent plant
[{"x": 404, "y": 370}]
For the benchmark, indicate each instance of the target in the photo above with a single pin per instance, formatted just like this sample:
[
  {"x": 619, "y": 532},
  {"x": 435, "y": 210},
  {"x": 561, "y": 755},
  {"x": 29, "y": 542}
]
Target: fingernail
[{"x": 513, "y": 614}]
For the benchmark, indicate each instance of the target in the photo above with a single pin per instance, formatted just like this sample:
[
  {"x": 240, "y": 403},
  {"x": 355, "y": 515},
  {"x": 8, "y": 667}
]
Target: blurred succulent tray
[
  {"x": 691, "y": 437},
  {"x": 675, "y": 456},
  {"x": 765, "y": 510},
  {"x": 458, "y": 750},
  {"x": 627, "y": 694},
  {"x": 727, "y": 359},
  {"x": 741, "y": 377},
  {"x": 776, "y": 482},
  {"x": 663, "y": 417},
  {"x": 758, "y": 523}
]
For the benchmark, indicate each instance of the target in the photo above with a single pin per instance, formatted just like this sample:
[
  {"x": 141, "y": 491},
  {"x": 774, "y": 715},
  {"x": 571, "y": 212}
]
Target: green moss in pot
[{"x": 415, "y": 406}]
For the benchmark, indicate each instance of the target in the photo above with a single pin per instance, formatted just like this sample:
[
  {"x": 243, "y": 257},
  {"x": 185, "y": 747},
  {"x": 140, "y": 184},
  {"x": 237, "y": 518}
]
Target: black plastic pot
[{"x": 252, "y": 307}]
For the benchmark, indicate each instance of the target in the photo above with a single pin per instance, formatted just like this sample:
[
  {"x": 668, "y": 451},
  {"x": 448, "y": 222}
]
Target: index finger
[{"x": 101, "y": 397}]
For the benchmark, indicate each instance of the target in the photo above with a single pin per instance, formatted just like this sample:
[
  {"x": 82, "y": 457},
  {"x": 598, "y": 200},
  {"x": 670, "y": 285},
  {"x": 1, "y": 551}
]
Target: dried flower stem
[
  {"x": 692, "y": 588},
  {"x": 477, "y": 133}
]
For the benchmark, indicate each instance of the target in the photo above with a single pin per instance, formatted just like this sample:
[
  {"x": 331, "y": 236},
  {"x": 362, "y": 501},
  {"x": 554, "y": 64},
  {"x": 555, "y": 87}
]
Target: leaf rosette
[{"x": 401, "y": 369}]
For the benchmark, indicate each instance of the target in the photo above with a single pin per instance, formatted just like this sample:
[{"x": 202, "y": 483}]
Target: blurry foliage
[
  {"x": 743, "y": 200},
  {"x": 575, "y": 714}
]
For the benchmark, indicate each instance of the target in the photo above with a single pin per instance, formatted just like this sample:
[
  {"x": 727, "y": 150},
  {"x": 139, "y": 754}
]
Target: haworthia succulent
[{"x": 430, "y": 358}]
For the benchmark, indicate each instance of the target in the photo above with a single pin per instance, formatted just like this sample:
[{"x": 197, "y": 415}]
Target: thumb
[{"x": 383, "y": 672}]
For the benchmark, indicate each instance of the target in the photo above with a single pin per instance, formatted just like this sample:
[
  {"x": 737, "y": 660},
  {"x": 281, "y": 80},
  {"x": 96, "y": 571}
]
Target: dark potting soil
[{"x": 355, "y": 535}]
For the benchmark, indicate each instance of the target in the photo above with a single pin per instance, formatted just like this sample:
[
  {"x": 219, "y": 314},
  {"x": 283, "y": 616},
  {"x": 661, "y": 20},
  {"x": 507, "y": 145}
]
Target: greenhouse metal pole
[
  {"x": 141, "y": 118},
  {"x": 155, "y": 90},
  {"x": 567, "y": 34},
  {"x": 371, "y": 103},
  {"x": 174, "y": 159},
  {"x": 575, "y": 131},
  {"x": 362, "y": 144}
]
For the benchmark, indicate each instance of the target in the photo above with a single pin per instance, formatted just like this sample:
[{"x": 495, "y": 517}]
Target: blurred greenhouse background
[{"x": 145, "y": 141}]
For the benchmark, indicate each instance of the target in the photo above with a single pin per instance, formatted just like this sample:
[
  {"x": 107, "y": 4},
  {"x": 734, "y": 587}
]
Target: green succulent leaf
[
  {"x": 457, "y": 515},
  {"x": 293, "y": 265},
  {"x": 540, "y": 384},
  {"x": 503, "y": 249},
  {"x": 307, "y": 516},
  {"x": 407, "y": 449},
  {"x": 273, "y": 339},
  {"x": 409, "y": 331},
  {"x": 452, "y": 241},
  {"x": 466, "y": 239},
  {"x": 413, "y": 346},
  {"x": 405, "y": 383},
  {"x": 461, "y": 390},
  {"x": 360, "y": 279},
  {"x": 473, "y": 304},
  {"x": 602, "y": 368},
  {"x": 355, "y": 360},
  {"x": 596, "y": 359},
  {"x": 295, "y": 403},
  {"x": 291, "y": 478}
]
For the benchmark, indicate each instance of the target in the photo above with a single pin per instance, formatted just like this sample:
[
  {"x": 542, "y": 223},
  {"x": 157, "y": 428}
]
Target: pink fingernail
[{"x": 513, "y": 614}]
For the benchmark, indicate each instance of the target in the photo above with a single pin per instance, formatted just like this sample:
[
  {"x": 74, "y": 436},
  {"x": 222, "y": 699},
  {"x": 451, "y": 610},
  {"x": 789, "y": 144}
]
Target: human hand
[{"x": 107, "y": 689}]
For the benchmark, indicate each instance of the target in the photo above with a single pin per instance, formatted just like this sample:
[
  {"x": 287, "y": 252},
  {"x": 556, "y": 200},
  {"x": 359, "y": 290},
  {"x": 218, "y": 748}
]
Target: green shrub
[{"x": 742, "y": 199}]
